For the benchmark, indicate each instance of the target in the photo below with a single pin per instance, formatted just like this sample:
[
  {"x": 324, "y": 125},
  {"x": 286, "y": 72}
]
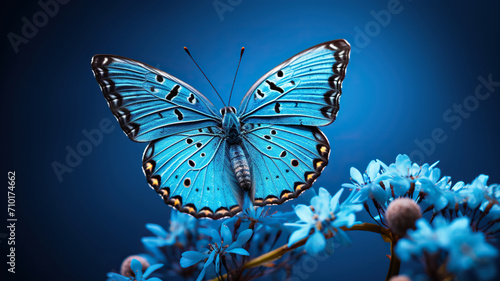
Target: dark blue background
[{"x": 398, "y": 86}]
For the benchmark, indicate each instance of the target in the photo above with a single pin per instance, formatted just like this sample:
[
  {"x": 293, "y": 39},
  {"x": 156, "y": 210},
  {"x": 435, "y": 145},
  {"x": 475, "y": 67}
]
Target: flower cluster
[
  {"x": 463, "y": 249},
  {"x": 402, "y": 198},
  {"x": 382, "y": 183}
]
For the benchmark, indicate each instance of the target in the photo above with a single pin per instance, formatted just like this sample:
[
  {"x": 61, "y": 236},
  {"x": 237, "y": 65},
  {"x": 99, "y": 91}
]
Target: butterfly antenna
[
  {"x": 187, "y": 51},
  {"x": 230, "y": 94}
]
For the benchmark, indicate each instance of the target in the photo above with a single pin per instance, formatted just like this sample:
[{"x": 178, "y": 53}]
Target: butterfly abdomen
[{"x": 240, "y": 166}]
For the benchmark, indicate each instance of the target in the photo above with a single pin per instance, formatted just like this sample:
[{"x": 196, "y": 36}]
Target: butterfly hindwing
[
  {"x": 285, "y": 160},
  {"x": 149, "y": 103},
  {"x": 303, "y": 90},
  {"x": 190, "y": 171}
]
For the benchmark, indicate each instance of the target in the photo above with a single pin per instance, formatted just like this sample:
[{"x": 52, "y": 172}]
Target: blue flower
[
  {"x": 222, "y": 244},
  {"x": 368, "y": 183},
  {"x": 476, "y": 192},
  {"x": 491, "y": 207},
  {"x": 469, "y": 250},
  {"x": 324, "y": 216},
  {"x": 261, "y": 215},
  {"x": 403, "y": 173},
  {"x": 466, "y": 249},
  {"x": 440, "y": 194},
  {"x": 180, "y": 224},
  {"x": 136, "y": 267}
]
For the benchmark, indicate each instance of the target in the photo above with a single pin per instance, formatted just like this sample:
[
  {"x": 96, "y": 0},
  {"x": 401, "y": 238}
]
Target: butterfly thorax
[
  {"x": 232, "y": 129},
  {"x": 231, "y": 125}
]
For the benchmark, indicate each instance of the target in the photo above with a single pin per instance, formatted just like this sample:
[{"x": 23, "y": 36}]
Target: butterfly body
[
  {"x": 203, "y": 161},
  {"x": 231, "y": 127}
]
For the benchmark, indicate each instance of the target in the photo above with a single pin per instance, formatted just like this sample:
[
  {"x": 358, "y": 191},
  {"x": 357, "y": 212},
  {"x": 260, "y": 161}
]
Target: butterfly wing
[
  {"x": 190, "y": 171},
  {"x": 303, "y": 90},
  {"x": 149, "y": 103},
  {"x": 285, "y": 160}
]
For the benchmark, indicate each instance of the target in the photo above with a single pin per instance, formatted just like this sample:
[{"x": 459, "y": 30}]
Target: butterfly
[{"x": 203, "y": 161}]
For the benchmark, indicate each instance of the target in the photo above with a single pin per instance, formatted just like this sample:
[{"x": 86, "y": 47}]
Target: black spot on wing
[
  {"x": 260, "y": 94},
  {"x": 179, "y": 114},
  {"x": 277, "y": 107},
  {"x": 191, "y": 98},
  {"x": 274, "y": 87},
  {"x": 173, "y": 93}
]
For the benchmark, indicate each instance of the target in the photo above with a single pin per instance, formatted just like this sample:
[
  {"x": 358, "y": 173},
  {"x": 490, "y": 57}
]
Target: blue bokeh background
[{"x": 405, "y": 73}]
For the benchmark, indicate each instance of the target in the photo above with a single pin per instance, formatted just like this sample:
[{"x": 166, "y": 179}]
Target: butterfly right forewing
[{"x": 303, "y": 90}]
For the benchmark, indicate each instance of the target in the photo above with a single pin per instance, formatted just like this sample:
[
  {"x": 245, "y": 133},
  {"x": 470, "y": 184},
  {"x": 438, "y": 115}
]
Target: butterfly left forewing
[
  {"x": 303, "y": 90},
  {"x": 285, "y": 160},
  {"x": 149, "y": 103}
]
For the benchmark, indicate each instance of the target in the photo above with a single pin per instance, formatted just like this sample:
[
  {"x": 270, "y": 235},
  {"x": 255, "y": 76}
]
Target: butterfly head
[{"x": 227, "y": 109}]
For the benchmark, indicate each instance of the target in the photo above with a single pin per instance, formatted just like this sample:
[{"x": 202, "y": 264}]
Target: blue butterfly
[{"x": 203, "y": 161}]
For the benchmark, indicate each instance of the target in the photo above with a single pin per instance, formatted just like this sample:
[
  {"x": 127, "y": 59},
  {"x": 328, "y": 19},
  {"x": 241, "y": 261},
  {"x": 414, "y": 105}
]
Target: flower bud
[
  {"x": 127, "y": 271},
  {"x": 402, "y": 214}
]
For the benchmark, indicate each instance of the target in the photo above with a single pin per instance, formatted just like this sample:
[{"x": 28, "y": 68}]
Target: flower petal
[
  {"x": 210, "y": 259},
  {"x": 227, "y": 237},
  {"x": 356, "y": 176},
  {"x": 136, "y": 267},
  {"x": 316, "y": 243},
  {"x": 117, "y": 277},
  {"x": 191, "y": 257},
  {"x": 243, "y": 237},
  {"x": 373, "y": 169},
  {"x": 239, "y": 251},
  {"x": 157, "y": 230},
  {"x": 150, "y": 270},
  {"x": 217, "y": 265},
  {"x": 304, "y": 213},
  {"x": 299, "y": 234},
  {"x": 335, "y": 200},
  {"x": 349, "y": 185},
  {"x": 202, "y": 274}
]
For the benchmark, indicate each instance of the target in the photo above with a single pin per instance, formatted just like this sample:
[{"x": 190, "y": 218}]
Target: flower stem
[
  {"x": 395, "y": 263},
  {"x": 279, "y": 252}
]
